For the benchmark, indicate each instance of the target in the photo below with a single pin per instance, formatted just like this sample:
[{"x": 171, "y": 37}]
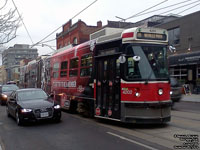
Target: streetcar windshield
[{"x": 151, "y": 65}]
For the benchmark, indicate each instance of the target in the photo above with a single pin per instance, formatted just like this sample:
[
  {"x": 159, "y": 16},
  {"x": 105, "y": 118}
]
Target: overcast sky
[{"x": 41, "y": 17}]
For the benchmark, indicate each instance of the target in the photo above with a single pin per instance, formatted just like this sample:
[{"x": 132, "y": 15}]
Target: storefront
[{"x": 186, "y": 68}]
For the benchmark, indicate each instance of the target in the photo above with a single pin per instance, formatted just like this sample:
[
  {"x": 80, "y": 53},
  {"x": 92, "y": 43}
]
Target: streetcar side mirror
[
  {"x": 172, "y": 49},
  {"x": 136, "y": 58},
  {"x": 122, "y": 59}
]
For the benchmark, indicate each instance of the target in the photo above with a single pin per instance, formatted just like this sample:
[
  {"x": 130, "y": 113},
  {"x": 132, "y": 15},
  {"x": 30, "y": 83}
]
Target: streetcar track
[
  {"x": 186, "y": 118},
  {"x": 189, "y": 111},
  {"x": 177, "y": 126}
]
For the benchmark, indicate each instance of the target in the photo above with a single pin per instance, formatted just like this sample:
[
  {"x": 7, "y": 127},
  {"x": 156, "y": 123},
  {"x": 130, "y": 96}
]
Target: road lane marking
[{"x": 132, "y": 141}]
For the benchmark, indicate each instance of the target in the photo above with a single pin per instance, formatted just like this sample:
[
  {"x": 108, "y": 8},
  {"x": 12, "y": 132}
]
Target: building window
[
  {"x": 174, "y": 36},
  {"x": 75, "y": 41}
]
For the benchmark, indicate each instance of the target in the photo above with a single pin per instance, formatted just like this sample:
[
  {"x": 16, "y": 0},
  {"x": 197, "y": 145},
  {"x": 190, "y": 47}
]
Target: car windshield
[
  {"x": 31, "y": 95},
  {"x": 174, "y": 82},
  {"x": 9, "y": 88},
  {"x": 152, "y": 64}
]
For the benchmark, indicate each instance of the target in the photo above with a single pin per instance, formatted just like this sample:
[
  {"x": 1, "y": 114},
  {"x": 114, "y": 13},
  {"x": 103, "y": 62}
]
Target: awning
[{"x": 184, "y": 59}]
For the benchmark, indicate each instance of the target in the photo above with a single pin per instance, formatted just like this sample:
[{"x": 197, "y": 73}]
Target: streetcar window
[
  {"x": 86, "y": 60},
  {"x": 55, "y": 74},
  {"x": 117, "y": 67},
  {"x": 74, "y": 63},
  {"x": 86, "y": 72},
  {"x": 55, "y": 66},
  {"x": 105, "y": 69},
  {"x": 73, "y": 73},
  {"x": 63, "y": 72},
  {"x": 55, "y": 70},
  {"x": 74, "y": 66},
  {"x": 63, "y": 65},
  {"x": 152, "y": 65}
]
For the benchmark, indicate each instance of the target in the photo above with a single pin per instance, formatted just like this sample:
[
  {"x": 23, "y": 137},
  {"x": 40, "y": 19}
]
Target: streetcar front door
[{"x": 107, "y": 87}]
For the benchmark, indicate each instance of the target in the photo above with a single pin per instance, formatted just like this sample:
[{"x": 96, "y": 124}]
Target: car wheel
[
  {"x": 18, "y": 119},
  {"x": 8, "y": 114},
  {"x": 57, "y": 119},
  {"x": 1, "y": 102}
]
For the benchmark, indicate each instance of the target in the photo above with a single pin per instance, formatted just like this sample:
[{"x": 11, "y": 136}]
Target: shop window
[{"x": 174, "y": 36}]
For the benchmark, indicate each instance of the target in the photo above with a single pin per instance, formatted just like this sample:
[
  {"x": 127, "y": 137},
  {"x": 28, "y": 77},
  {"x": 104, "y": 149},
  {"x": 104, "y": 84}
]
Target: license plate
[{"x": 44, "y": 114}]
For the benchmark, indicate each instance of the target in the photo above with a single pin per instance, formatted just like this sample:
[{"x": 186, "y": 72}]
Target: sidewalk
[{"x": 191, "y": 98}]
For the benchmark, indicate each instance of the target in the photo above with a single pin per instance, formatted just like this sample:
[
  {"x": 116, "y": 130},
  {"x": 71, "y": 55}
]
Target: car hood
[
  {"x": 7, "y": 93},
  {"x": 36, "y": 103}
]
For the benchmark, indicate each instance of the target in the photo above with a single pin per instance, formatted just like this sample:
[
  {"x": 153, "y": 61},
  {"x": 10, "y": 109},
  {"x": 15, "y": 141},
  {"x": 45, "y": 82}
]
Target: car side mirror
[
  {"x": 12, "y": 100},
  {"x": 51, "y": 95}
]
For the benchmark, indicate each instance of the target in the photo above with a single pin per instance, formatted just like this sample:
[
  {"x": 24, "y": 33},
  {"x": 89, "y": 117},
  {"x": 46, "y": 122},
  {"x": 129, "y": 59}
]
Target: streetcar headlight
[
  {"x": 137, "y": 94},
  {"x": 56, "y": 106},
  {"x": 171, "y": 92},
  {"x": 160, "y": 91}
]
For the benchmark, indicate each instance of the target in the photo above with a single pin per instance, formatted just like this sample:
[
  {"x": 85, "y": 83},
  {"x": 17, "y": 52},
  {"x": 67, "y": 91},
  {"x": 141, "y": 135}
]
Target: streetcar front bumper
[{"x": 146, "y": 112}]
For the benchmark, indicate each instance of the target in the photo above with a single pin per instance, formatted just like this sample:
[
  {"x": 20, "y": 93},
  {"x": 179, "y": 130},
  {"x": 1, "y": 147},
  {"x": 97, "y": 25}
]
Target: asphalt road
[
  {"x": 75, "y": 132},
  {"x": 72, "y": 133},
  {"x": 187, "y": 106}
]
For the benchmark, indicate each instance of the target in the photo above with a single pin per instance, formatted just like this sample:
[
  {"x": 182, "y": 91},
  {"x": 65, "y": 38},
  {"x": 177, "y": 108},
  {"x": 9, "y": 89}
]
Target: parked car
[
  {"x": 176, "y": 90},
  {"x": 11, "y": 82},
  {"x": 32, "y": 104},
  {"x": 5, "y": 91}
]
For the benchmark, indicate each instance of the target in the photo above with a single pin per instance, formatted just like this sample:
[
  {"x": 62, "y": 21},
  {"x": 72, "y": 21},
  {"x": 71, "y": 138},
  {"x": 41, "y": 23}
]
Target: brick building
[{"x": 76, "y": 33}]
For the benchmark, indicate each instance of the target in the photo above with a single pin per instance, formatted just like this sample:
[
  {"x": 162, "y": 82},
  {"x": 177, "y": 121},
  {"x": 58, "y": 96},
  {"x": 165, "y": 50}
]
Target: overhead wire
[
  {"x": 178, "y": 7},
  {"x": 61, "y": 26},
  {"x": 162, "y": 8},
  {"x": 188, "y": 8},
  {"x": 23, "y": 22},
  {"x": 146, "y": 9},
  {"x": 4, "y": 4}
]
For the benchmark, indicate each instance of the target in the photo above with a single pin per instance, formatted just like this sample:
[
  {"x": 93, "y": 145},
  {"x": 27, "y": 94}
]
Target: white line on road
[{"x": 132, "y": 141}]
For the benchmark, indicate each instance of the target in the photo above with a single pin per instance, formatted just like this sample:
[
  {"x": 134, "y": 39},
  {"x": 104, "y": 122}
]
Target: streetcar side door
[{"x": 107, "y": 72}]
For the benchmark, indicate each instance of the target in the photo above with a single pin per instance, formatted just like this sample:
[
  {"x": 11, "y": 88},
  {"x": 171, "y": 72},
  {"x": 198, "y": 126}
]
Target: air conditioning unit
[{"x": 104, "y": 32}]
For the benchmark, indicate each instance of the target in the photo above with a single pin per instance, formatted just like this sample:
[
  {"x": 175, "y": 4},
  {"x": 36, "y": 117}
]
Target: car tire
[
  {"x": 57, "y": 119},
  {"x": 1, "y": 102},
  {"x": 8, "y": 114},
  {"x": 18, "y": 119}
]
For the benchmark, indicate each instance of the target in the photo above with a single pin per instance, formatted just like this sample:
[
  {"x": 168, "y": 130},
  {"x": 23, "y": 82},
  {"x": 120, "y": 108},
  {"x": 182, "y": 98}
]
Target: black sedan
[
  {"x": 5, "y": 91},
  {"x": 176, "y": 90},
  {"x": 32, "y": 104}
]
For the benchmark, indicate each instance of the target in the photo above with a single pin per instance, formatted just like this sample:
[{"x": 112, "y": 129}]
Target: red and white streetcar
[{"x": 122, "y": 77}]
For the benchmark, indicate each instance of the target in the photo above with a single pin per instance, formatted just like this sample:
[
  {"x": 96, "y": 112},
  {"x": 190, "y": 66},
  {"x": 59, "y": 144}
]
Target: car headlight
[
  {"x": 4, "y": 96},
  {"x": 26, "y": 110},
  {"x": 57, "y": 107}
]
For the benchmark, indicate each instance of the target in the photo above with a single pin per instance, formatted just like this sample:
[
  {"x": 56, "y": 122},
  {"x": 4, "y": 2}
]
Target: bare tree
[{"x": 9, "y": 24}]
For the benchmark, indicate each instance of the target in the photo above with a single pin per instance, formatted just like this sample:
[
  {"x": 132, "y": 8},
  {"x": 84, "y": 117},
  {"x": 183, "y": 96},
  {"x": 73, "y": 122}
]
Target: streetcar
[{"x": 122, "y": 77}]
